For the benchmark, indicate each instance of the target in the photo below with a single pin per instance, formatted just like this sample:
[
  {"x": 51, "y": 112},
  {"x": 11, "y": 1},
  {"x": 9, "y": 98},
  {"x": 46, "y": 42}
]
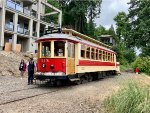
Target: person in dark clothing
[
  {"x": 22, "y": 68},
  {"x": 31, "y": 69}
]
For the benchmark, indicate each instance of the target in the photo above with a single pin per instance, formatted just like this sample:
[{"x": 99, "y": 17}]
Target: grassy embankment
[{"x": 132, "y": 98}]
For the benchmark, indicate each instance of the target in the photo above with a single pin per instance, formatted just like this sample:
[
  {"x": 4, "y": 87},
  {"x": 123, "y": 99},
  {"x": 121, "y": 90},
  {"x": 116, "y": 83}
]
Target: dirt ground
[{"x": 18, "y": 97}]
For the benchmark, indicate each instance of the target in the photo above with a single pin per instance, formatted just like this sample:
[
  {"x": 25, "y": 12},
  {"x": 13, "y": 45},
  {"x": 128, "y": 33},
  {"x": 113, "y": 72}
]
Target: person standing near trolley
[
  {"x": 22, "y": 68},
  {"x": 137, "y": 70},
  {"x": 31, "y": 70}
]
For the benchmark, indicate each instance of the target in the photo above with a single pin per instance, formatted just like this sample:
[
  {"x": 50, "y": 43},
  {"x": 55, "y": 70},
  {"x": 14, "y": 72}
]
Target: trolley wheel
[
  {"x": 78, "y": 82},
  {"x": 56, "y": 83},
  {"x": 90, "y": 78}
]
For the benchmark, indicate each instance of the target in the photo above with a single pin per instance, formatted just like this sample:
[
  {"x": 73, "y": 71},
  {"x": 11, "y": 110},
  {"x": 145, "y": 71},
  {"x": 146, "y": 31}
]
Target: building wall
[
  {"x": 23, "y": 42},
  {"x": 0, "y": 3},
  {"x": 8, "y": 18},
  {"x": 7, "y": 38},
  {"x": 42, "y": 7},
  {"x": 2, "y": 23},
  {"x": 34, "y": 24},
  {"x": 34, "y": 7}
]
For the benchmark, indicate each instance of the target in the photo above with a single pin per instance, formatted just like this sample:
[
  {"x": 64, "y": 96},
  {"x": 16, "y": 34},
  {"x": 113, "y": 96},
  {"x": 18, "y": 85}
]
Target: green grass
[
  {"x": 133, "y": 98},
  {"x": 126, "y": 68}
]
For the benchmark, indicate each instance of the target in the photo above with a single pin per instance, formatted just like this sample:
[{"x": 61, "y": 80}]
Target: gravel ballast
[{"x": 84, "y": 98}]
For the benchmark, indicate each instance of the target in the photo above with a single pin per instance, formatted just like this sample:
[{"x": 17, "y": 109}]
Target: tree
[
  {"x": 77, "y": 13},
  {"x": 51, "y": 18},
  {"x": 100, "y": 31},
  {"x": 125, "y": 52},
  {"x": 139, "y": 23},
  {"x": 111, "y": 31},
  {"x": 121, "y": 23},
  {"x": 145, "y": 51}
]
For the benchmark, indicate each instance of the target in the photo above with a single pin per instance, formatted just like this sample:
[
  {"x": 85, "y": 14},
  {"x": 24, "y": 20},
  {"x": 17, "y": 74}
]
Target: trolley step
[{"x": 75, "y": 79}]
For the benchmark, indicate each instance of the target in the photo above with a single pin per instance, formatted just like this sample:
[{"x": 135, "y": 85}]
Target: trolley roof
[
  {"x": 85, "y": 37},
  {"x": 78, "y": 38}
]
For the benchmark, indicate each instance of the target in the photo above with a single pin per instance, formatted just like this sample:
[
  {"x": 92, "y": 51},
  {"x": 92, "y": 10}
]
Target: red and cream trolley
[{"x": 73, "y": 56}]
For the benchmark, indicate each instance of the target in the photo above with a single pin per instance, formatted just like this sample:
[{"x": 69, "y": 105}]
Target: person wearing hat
[{"x": 31, "y": 69}]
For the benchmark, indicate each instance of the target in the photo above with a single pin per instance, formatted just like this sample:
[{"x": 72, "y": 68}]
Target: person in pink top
[{"x": 22, "y": 68}]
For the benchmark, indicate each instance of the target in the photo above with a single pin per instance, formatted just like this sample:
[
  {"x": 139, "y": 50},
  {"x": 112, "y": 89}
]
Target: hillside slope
[{"x": 9, "y": 62}]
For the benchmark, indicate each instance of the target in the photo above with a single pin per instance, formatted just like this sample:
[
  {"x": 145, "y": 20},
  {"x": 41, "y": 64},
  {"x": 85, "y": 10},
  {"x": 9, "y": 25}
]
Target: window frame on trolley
[
  {"x": 71, "y": 53},
  {"x": 52, "y": 55},
  {"x": 96, "y": 54}
]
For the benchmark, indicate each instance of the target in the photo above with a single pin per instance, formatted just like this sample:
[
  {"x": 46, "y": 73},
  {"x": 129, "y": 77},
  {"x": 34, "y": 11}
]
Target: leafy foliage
[
  {"x": 139, "y": 30},
  {"x": 103, "y": 31},
  {"x": 143, "y": 63},
  {"x": 125, "y": 53},
  {"x": 133, "y": 98},
  {"x": 126, "y": 68},
  {"x": 51, "y": 18},
  {"x": 121, "y": 23},
  {"x": 145, "y": 51},
  {"x": 79, "y": 14}
]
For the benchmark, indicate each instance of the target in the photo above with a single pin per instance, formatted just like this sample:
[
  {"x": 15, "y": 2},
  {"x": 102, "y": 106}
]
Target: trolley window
[
  {"x": 46, "y": 47},
  {"x": 100, "y": 55},
  {"x": 88, "y": 52},
  {"x": 113, "y": 57},
  {"x": 59, "y": 48},
  {"x": 109, "y": 57},
  {"x": 96, "y": 54},
  {"x": 92, "y": 53},
  {"x": 106, "y": 59},
  {"x": 83, "y": 50},
  {"x": 73, "y": 50},
  {"x": 104, "y": 56},
  {"x": 38, "y": 50},
  {"x": 69, "y": 50}
]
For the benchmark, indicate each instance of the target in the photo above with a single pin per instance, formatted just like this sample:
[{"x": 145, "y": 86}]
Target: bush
[
  {"x": 126, "y": 68},
  {"x": 143, "y": 63},
  {"x": 124, "y": 55},
  {"x": 131, "y": 99}
]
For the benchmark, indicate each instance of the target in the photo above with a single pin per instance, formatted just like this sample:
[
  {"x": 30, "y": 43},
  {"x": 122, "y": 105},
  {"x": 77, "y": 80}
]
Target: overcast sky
[{"x": 109, "y": 9}]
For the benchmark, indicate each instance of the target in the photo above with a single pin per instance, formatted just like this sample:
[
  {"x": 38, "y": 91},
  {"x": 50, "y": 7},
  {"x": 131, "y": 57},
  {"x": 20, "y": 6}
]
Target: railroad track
[
  {"x": 43, "y": 91},
  {"x": 37, "y": 86},
  {"x": 36, "y": 90},
  {"x": 18, "y": 90},
  {"x": 11, "y": 101}
]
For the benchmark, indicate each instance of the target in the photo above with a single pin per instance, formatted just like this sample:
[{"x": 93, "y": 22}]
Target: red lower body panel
[{"x": 51, "y": 65}]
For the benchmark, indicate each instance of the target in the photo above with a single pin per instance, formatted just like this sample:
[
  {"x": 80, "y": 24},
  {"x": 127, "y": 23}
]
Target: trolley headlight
[
  {"x": 43, "y": 65},
  {"x": 38, "y": 73},
  {"x": 54, "y": 74},
  {"x": 52, "y": 66},
  {"x": 48, "y": 73}
]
